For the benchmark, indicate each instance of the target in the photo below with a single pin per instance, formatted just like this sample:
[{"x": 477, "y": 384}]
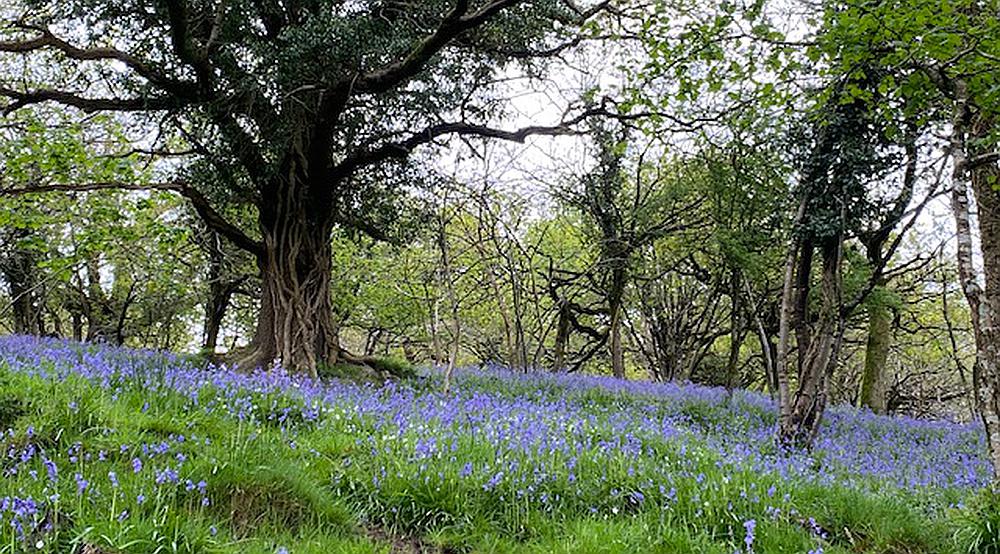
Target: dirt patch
[{"x": 405, "y": 544}]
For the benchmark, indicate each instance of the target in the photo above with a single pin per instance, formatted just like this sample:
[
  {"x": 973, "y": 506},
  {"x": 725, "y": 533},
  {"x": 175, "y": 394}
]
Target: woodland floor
[{"x": 108, "y": 451}]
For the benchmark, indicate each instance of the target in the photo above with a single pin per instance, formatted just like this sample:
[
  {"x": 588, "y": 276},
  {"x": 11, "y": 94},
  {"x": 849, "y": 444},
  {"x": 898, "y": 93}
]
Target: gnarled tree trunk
[{"x": 296, "y": 327}]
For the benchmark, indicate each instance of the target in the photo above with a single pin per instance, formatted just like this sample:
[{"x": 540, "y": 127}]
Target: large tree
[{"x": 307, "y": 110}]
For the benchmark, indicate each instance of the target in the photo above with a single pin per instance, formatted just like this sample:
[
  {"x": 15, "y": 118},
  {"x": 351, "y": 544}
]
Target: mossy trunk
[{"x": 873, "y": 386}]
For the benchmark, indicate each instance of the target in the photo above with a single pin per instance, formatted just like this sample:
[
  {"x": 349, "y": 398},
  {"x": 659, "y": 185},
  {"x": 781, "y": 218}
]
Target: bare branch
[
  {"x": 454, "y": 24},
  {"x": 983, "y": 159}
]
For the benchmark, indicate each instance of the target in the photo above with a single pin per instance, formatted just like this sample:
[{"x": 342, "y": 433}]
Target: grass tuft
[{"x": 978, "y": 524}]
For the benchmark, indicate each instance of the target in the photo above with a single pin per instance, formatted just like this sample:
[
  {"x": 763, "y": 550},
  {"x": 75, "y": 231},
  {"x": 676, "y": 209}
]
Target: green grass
[
  {"x": 310, "y": 486},
  {"x": 376, "y": 370}
]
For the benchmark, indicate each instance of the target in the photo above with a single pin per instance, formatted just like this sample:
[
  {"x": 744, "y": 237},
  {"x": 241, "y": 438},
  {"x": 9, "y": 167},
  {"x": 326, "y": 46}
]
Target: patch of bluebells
[
  {"x": 750, "y": 526},
  {"x": 22, "y": 515},
  {"x": 602, "y": 445}
]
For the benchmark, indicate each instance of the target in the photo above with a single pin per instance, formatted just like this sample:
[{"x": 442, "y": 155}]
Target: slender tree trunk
[
  {"x": 615, "y": 299},
  {"x": 215, "y": 312},
  {"x": 448, "y": 282},
  {"x": 519, "y": 353},
  {"x": 736, "y": 333},
  {"x": 501, "y": 297},
  {"x": 767, "y": 347},
  {"x": 953, "y": 342},
  {"x": 562, "y": 337},
  {"x": 485, "y": 215},
  {"x": 785, "y": 319},
  {"x": 615, "y": 345},
  {"x": 437, "y": 350},
  {"x": 876, "y": 356},
  {"x": 77, "y": 324},
  {"x": 122, "y": 306},
  {"x": 805, "y": 412},
  {"x": 803, "y": 329},
  {"x": 220, "y": 294}
]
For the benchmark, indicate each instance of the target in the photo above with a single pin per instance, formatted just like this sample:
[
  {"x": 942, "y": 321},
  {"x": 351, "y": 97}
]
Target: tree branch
[
  {"x": 402, "y": 149},
  {"x": 21, "y": 99},
  {"x": 48, "y": 40},
  {"x": 454, "y": 24},
  {"x": 983, "y": 159},
  {"x": 183, "y": 45}
]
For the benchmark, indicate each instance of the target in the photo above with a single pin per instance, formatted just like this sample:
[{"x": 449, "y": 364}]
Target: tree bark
[
  {"x": 768, "y": 348},
  {"x": 876, "y": 356},
  {"x": 880, "y": 317},
  {"x": 615, "y": 298},
  {"x": 805, "y": 412},
  {"x": 296, "y": 328},
  {"x": 520, "y": 354},
  {"x": 447, "y": 278},
  {"x": 953, "y": 343},
  {"x": 785, "y": 318},
  {"x": 20, "y": 270},
  {"x": 736, "y": 332},
  {"x": 437, "y": 355},
  {"x": 562, "y": 337},
  {"x": 220, "y": 294},
  {"x": 803, "y": 280},
  {"x": 984, "y": 179},
  {"x": 615, "y": 345}
]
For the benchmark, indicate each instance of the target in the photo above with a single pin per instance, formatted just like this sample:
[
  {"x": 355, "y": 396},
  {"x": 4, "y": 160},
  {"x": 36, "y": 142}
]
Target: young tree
[{"x": 627, "y": 209}]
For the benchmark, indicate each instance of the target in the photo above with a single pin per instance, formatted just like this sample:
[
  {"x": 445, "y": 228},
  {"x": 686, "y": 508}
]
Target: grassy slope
[{"x": 276, "y": 480}]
